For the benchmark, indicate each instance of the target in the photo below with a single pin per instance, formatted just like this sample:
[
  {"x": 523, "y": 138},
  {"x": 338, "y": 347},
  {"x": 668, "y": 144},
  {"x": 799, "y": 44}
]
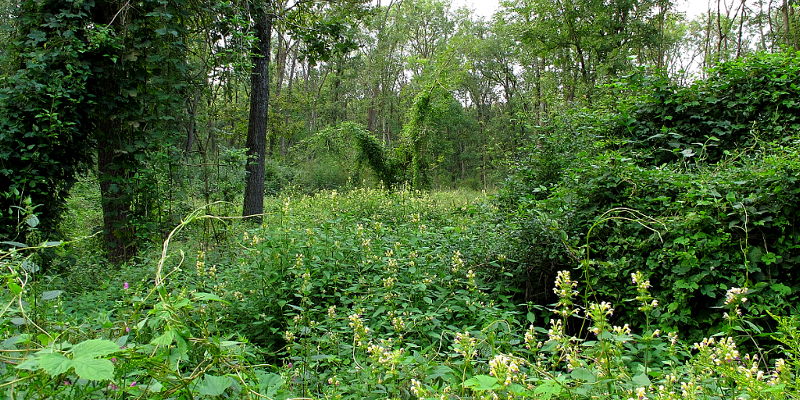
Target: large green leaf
[
  {"x": 481, "y": 382},
  {"x": 94, "y": 348},
  {"x": 165, "y": 339},
  {"x": 214, "y": 385},
  {"x": 54, "y": 363},
  {"x": 51, "y": 294},
  {"x": 94, "y": 369},
  {"x": 547, "y": 390}
]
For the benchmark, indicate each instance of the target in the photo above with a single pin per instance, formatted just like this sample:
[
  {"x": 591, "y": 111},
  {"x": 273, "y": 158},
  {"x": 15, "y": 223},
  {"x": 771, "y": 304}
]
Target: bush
[
  {"x": 742, "y": 102},
  {"x": 725, "y": 219}
]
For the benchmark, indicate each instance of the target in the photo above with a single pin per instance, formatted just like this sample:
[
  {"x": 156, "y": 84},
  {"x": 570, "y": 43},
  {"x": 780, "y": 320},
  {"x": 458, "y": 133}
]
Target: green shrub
[
  {"x": 741, "y": 103},
  {"x": 699, "y": 218}
]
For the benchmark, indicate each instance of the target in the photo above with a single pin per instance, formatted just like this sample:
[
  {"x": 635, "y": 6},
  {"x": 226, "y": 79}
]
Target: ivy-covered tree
[
  {"x": 94, "y": 80},
  {"x": 44, "y": 124}
]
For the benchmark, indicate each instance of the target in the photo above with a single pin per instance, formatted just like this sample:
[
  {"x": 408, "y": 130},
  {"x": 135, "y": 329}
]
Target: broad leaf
[
  {"x": 214, "y": 385},
  {"x": 94, "y": 369},
  {"x": 165, "y": 339},
  {"x": 481, "y": 382},
  {"x": 51, "y": 294},
  {"x": 94, "y": 348},
  {"x": 54, "y": 363}
]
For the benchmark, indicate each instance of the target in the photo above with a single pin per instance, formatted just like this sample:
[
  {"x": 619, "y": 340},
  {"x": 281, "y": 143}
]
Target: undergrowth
[{"x": 358, "y": 295}]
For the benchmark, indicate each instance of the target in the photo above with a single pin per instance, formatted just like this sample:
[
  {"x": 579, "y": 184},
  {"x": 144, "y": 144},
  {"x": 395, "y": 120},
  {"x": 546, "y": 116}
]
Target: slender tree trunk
[{"x": 259, "y": 102}]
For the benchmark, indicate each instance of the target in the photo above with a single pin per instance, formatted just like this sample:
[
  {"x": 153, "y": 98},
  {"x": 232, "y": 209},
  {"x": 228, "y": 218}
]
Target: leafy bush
[
  {"x": 743, "y": 101},
  {"x": 698, "y": 228}
]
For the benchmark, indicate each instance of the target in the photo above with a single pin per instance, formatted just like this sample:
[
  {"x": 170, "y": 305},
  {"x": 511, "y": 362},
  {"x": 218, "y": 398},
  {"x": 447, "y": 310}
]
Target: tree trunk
[
  {"x": 115, "y": 196},
  {"x": 114, "y": 166},
  {"x": 259, "y": 102}
]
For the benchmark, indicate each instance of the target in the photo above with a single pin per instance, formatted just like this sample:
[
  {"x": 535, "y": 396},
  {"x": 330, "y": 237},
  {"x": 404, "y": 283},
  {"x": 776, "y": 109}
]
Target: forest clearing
[{"x": 399, "y": 199}]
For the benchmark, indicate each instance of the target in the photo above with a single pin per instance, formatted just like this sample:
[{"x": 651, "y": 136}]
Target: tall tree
[
  {"x": 325, "y": 28},
  {"x": 259, "y": 107}
]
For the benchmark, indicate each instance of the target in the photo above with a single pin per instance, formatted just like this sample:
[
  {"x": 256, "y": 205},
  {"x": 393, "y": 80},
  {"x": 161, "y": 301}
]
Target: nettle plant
[
  {"x": 609, "y": 361},
  {"x": 159, "y": 346}
]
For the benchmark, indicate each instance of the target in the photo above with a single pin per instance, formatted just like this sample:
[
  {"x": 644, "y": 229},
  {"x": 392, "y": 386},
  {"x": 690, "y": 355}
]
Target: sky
[{"x": 486, "y": 8}]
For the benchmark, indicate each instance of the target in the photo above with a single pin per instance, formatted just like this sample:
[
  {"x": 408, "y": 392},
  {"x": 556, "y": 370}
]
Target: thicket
[
  {"x": 360, "y": 295},
  {"x": 695, "y": 186}
]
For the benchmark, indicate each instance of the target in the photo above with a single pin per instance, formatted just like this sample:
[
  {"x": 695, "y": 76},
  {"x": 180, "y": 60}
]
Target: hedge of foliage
[{"x": 633, "y": 190}]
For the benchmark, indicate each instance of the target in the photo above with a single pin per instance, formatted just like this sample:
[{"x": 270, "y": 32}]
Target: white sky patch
[{"x": 486, "y": 8}]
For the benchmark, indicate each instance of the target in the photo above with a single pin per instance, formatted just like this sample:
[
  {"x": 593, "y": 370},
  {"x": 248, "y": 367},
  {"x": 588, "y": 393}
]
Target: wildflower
[
  {"x": 457, "y": 261},
  {"x": 360, "y": 331},
  {"x": 556, "y": 331},
  {"x": 134, "y": 383},
  {"x": 389, "y": 282},
  {"x": 673, "y": 338},
  {"x": 505, "y": 369},
  {"x": 112, "y": 386},
  {"x": 466, "y": 345},
  {"x": 416, "y": 388},
  {"x": 734, "y": 294},
  {"x": 398, "y": 324},
  {"x": 125, "y": 285},
  {"x": 565, "y": 290},
  {"x": 530, "y": 337},
  {"x": 643, "y": 286}
]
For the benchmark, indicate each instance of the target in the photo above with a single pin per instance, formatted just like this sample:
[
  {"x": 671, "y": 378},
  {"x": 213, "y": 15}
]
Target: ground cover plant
[
  {"x": 365, "y": 294},
  {"x": 352, "y": 199}
]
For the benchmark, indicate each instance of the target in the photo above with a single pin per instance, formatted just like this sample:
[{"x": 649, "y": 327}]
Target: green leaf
[
  {"x": 214, "y": 385},
  {"x": 94, "y": 369},
  {"x": 32, "y": 221},
  {"x": 547, "y": 390},
  {"x": 269, "y": 383},
  {"x": 51, "y": 294},
  {"x": 443, "y": 372},
  {"x": 583, "y": 374},
  {"x": 531, "y": 317},
  {"x": 481, "y": 382},
  {"x": 641, "y": 380},
  {"x": 15, "y": 244},
  {"x": 31, "y": 364},
  {"x": 94, "y": 348},
  {"x": 54, "y": 363},
  {"x": 208, "y": 297},
  {"x": 165, "y": 339},
  {"x": 14, "y": 288}
]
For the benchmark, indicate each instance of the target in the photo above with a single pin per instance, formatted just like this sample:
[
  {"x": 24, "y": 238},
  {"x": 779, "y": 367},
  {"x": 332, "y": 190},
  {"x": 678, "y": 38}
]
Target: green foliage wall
[
  {"x": 611, "y": 204},
  {"x": 43, "y": 120},
  {"x": 91, "y": 80},
  {"x": 743, "y": 102}
]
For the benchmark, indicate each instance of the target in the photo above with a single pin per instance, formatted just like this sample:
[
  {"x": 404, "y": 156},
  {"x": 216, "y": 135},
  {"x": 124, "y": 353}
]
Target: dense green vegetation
[{"x": 346, "y": 200}]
